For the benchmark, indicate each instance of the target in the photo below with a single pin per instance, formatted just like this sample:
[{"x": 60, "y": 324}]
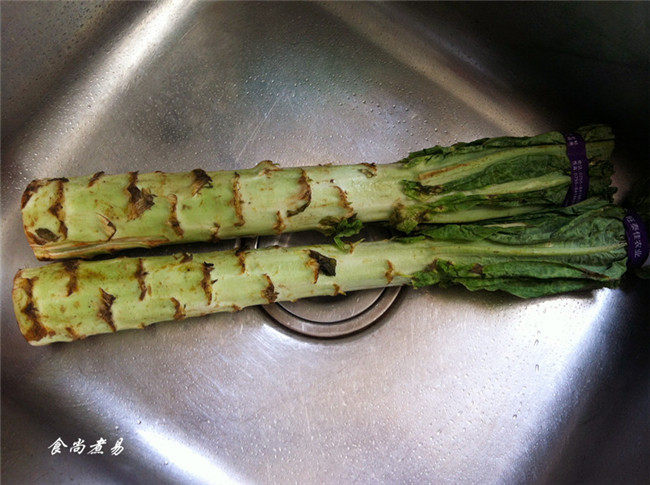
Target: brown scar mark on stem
[
  {"x": 200, "y": 179},
  {"x": 390, "y": 272},
  {"x": 152, "y": 243},
  {"x": 107, "y": 226},
  {"x": 139, "y": 200},
  {"x": 304, "y": 194},
  {"x": 426, "y": 175},
  {"x": 236, "y": 308},
  {"x": 477, "y": 269},
  {"x": 163, "y": 176},
  {"x": 56, "y": 209},
  {"x": 42, "y": 236},
  {"x": 353, "y": 245},
  {"x": 343, "y": 202},
  {"x": 96, "y": 176},
  {"x": 237, "y": 201},
  {"x": 269, "y": 292},
  {"x": 206, "y": 281},
  {"x": 337, "y": 290},
  {"x": 140, "y": 274},
  {"x": 398, "y": 208},
  {"x": 179, "y": 312},
  {"x": 266, "y": 167},
  {"x": 321, "y": 264},
  {"x": 173, "y": 218},
  {"x": 104, "y": 312},
  {"x": 37, "y": 330},
  {"x": 279, "y": 225},
  {"x": 30, "y": 190},
  {"x": 73, "y": 334},
  {"x": 185, "y": 258},
  {"x": 369, "y": 170},
  {"x": 214, "y": 236},
  {"x": 313, "y": 265},
  {"x": 71, "y": 268},
  {"x": 241, "y": 257}
]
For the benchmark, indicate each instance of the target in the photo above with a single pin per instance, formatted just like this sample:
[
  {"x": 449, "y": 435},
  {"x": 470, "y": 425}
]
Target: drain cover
[{"x": 329, "y": 316}]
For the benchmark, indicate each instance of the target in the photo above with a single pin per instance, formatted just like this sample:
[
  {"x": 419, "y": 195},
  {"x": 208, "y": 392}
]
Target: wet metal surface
[{"x": 449, "y": 385}]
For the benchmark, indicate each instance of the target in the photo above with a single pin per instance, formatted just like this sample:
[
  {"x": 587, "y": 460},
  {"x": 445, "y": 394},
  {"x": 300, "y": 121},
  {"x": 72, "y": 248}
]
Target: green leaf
[
  {"x": 491, "y": 176},
  {"x": 570, "y": 248},
  {"x": 340, "y": 228}
]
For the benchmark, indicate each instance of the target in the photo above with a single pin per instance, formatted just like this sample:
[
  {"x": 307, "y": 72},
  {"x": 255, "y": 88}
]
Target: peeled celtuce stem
[
  {"x": 83, "y": 216},
  {"x": 577, "y": 247}
]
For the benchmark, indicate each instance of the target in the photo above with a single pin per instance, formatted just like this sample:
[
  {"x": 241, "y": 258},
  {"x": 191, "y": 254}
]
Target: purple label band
[
  {"x": 576, "y": 150},
  {"x": 637, "y": 240}
]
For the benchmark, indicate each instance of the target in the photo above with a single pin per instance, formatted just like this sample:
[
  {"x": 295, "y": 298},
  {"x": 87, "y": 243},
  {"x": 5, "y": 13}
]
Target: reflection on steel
[{"x": 195, "y": 466}]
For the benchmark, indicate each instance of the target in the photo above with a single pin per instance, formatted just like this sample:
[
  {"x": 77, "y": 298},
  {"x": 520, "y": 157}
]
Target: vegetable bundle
[
  {"x": 485, "y": 179},
  {"x": 571, "y": 248}
]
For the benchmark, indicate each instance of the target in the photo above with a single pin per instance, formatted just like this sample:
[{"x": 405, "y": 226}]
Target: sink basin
[{"x": 446, "y": 385}]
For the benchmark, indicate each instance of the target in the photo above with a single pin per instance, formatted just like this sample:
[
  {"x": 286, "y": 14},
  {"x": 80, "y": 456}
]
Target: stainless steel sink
[{"x": 447, "y": 385}]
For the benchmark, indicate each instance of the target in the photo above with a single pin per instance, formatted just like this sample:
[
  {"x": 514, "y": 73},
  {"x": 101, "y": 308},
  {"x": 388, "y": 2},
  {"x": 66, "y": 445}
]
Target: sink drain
[{"x": 329, "y": 316}]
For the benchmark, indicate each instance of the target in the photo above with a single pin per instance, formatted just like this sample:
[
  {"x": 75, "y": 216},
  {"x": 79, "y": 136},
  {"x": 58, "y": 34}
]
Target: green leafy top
[
  {"x": 480, "y": 179},
  {"x": 589, "y": 133},
  {"x": 577, "y": 247}
]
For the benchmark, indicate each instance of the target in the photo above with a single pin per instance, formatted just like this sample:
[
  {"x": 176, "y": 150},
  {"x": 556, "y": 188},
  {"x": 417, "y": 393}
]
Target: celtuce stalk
[
  {"x": 577, "y": 247},
  {"x": 83, "y": 216}
]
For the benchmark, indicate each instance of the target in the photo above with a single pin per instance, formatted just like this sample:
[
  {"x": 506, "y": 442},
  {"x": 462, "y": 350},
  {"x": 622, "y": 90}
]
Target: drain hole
[
  {"x": 332, "y": 309},
  {"x": 329, "y": 316}
]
